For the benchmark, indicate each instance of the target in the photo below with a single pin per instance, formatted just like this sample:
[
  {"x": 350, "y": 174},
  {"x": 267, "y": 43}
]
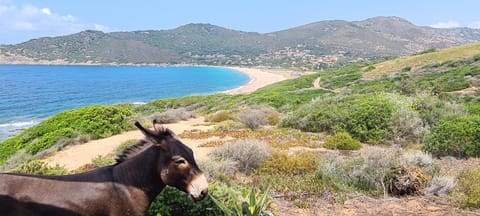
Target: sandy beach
[{"x": 260, "y": 77}]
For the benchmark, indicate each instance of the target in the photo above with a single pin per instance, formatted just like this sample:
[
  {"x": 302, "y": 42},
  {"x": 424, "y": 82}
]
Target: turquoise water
[{"x": 30, "y": 94}]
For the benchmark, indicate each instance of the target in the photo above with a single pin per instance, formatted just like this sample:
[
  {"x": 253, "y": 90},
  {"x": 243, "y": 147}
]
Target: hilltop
[{"x": 317, "y": 45}]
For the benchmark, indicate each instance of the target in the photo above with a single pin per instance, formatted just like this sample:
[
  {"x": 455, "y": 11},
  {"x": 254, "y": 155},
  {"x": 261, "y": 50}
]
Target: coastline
[{"x": 259, "y": 77}]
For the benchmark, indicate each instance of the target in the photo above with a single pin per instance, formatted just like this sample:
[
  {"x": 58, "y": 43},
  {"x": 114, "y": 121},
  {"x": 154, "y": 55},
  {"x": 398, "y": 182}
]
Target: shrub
[
  {"x": 173, "y": 115},
  {"x": 248, "y": 202},
  {"x": 36, "y": 167},
  {"x": 253, "y": 119},
  {"x": 228, "y": 125},
  {"x": 407, "y": 126},
  {"x": 432, "y": 109},
  {"x": 366, "y": 117},
  {"x": 476, "y": 57},
  {"x": 421, "y": 160},
  {"x": 467, "y": 194},
  {"x": 49, "y": 139},
  {"x": 406, "y": 181},
  {"x": 101, "y": 161},
  {"x": 457, "y": 137},
  {"x": 172, "y": 202},
  {"x": 94, "y": 121},
  {"x": 282, "y": 164},
  {"x": 219, "y": 116},
  {"x": 370, "y": 172},
  {"x": 342, "y": 141},
  {"x": 441, "y": 185},
  {"x": 247, "y": 153},
  {"x": 219, "y": 169},
  {"x": 370, "y": 68},
  {"x": 406, "y": 69}
]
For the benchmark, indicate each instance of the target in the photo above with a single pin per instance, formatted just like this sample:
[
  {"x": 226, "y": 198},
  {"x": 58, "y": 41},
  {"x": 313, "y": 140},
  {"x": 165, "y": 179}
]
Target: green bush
[
  {"x": 432, "y": 109},
  {"x": 467, "y": 194},
  {"x": 406, "y": 69},
  {"x": 459, "y": 137},
  {"x": 36, "y": 167},
  {"x": 172, "y": 202},
  {"x": 342, "y": 141},
  {"x": 243, "y": 202},
  {"x": 476, "y": 57},
  {"x": 366, "y": 117},
  {"x": 95, "y": 122}
]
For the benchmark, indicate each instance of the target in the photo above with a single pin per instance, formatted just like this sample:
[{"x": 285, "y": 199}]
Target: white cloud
[
  {"x": 448, "y": 24},
  {"x": 475, "y": 25},
  {"x": 21, "y": 23},
  {"x": 100, "y": 27},
  {"x": 46, "y": 11}
]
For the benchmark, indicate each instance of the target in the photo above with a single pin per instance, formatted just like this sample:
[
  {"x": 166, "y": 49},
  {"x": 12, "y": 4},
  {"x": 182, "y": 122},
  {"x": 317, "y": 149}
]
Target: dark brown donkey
[{"x": 126, "y": 188}]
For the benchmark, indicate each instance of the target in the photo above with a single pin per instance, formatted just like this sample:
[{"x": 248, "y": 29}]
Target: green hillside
[{"x": 318, "y": 45}]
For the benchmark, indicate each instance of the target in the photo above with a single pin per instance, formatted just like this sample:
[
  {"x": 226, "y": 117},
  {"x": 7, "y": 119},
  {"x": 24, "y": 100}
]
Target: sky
[{"x": 22, "y": 20}]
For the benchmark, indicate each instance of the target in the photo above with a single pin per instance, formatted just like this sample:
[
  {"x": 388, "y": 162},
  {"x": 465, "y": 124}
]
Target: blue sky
[{"x": 21, "y": 20}]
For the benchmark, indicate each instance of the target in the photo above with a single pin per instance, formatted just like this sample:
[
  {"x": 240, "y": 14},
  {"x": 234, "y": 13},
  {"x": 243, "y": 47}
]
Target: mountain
[{"x": 314, "y": 45}]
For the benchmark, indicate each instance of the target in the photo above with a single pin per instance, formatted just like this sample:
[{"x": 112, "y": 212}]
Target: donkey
[{"x": 126, "y": 188}]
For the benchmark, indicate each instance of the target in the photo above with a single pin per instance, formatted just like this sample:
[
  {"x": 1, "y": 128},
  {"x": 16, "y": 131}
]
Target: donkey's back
[{"x": 62, "y": 195}]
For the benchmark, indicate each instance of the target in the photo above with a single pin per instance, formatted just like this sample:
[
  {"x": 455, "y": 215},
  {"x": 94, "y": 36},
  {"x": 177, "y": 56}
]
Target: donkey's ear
[
  {"x": 165, "y": 131},
  {"x": 153, "y": 136},
  {"x": 145, "y": 131}
]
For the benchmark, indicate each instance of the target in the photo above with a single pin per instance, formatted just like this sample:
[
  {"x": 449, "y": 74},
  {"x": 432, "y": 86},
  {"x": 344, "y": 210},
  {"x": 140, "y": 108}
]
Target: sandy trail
[{"x": 75, "y": 156}]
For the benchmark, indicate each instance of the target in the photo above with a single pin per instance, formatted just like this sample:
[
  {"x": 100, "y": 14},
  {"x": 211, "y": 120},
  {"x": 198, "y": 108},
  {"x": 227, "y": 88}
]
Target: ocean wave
[
  {"x": 139, "y": 103},
  {"x": 19, "y": 124}
]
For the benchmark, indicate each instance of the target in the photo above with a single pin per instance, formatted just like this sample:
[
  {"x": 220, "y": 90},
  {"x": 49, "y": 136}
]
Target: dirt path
[
  {"x": 316, "y": 84},
  {"x": 364, "y": 205},
  {"x": 75, "y": 156}
]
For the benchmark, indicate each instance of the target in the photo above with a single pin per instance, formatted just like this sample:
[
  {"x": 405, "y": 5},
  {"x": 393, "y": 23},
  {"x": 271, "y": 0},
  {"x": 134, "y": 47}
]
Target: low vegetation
[
  {"x": 63, "y": 129},
  {"x": 247, "y": 154},
  {"x": 467, "y": 195},
  {"x": 342, "y": 141},
  {"x": 396, "y": 128}
]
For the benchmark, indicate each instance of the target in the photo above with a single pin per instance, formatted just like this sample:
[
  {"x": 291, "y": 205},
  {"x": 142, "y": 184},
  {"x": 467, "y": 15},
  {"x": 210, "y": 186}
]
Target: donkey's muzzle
[{"x": 198, "y": 188}]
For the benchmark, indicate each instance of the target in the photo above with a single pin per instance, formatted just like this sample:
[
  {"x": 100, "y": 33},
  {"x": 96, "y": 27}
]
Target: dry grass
[{"x": 418, "y": 61}]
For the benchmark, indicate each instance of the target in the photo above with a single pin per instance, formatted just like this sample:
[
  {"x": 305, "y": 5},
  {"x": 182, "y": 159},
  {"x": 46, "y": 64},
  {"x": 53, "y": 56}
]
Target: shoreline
[{"x": 259, "y": 78}]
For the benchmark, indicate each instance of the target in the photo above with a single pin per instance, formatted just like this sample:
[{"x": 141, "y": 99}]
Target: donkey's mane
[
  {"x": 132, "y": 151},
  {"x": 141, "y": 145}
]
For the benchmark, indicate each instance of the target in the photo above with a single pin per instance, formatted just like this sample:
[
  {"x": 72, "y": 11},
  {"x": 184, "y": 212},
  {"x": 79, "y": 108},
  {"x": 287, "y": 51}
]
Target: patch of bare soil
[{"x": 364, "y": 205}]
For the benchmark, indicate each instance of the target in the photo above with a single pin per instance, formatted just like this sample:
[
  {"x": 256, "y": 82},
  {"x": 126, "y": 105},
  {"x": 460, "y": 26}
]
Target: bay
[{"x": 32, "y": 93}]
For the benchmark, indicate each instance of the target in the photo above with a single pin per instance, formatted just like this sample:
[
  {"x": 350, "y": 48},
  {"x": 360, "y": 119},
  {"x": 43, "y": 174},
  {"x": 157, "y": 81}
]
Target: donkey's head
[{"x": 176, "y": 164}]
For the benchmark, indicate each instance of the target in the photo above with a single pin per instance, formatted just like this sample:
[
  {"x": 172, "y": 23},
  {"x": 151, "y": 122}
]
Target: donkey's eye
[{"x": 180, "y": 161}]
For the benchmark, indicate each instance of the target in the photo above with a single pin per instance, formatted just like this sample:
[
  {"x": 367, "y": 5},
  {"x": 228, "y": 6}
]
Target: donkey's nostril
[{"x": 204, "y": 192}]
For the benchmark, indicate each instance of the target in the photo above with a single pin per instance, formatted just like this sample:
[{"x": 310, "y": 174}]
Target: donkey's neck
[{"x": 140, "y": 173}]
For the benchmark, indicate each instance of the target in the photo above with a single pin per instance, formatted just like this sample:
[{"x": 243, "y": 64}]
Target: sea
[{"x": 30, "y": 94}]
